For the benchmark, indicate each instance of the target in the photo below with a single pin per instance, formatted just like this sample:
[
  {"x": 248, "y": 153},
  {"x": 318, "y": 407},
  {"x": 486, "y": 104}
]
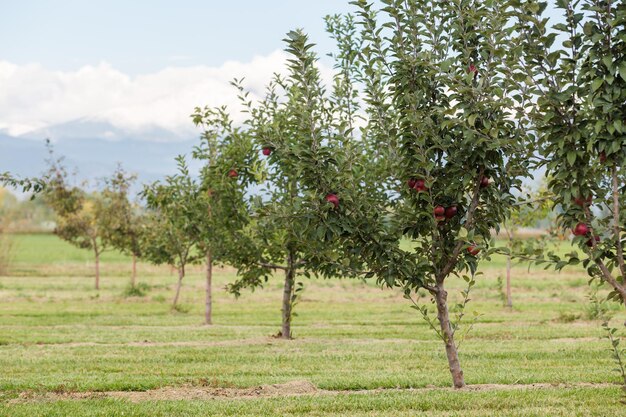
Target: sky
[
  {"x": 144, "y": 36},
  {"x": 140, "y": 65},
  {"x": 121, "y": 71}
]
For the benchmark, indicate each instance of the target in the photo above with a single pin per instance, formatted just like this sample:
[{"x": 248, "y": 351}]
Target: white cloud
[{"x": 34, "y": 98}]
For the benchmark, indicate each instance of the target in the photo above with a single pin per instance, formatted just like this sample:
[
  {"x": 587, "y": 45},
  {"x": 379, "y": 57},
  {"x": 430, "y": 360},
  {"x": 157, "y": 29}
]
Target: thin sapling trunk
[
  {"x": 133, "y": 276},
  {"x": 441, "y": 300},
  {"x": 509, "y": 298},
  {"x": 181, "y": 275},
  {"x": 97, "y": 256},
  {"x": 288, "y": 297},
  {"x": 208, "y": 310}
]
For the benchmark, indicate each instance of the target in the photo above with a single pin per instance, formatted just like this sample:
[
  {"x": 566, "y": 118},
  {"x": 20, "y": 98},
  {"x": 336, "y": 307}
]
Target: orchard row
[{"x": 460, "y": 100}]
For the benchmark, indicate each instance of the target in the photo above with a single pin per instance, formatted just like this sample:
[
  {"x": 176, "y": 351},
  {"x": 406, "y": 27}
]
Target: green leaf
[
  {"x": 597, "y": 83},
  {"x": 571, "y": 158},
  {"x": 622, "y": 70}
]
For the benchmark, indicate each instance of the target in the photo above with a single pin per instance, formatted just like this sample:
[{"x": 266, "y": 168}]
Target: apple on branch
[
  {"x": 451, "y": 212},
  {"x": 473, "y": 250},
  {"x": 332, "y": 199},
  {"x": 440, "y": 213},
  {"x": 581, "y": 229}
]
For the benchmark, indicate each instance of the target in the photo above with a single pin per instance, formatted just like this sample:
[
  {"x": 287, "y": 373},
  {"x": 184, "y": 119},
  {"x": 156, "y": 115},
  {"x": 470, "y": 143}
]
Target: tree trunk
[
  {"x": 133, "y": 276},
  {"x": 208, "y": 308},
  {"x": 509, "y": 298},
  {"x": 287, "y": 298},
  {"x": 97, "y": 268},
  {"x": 181, "y": 275},
  {"x": 441, "y": 298}
]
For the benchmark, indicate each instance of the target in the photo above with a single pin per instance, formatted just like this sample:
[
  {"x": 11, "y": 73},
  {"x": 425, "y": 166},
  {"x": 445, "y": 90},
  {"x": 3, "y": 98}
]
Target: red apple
[
  {"x": 602, "y": 157},
  {"x": 580, "y": 201},
  {"x": 484, "y": 182},
  {"x": 581, "y": 229},
  {"x": 420, "y": 186},
  {"x": 472, "y": 68},
  {"x": 451, "y": 212},
  {"x": 267, "y": 151},
  {"x": 412, "y": 182},
  {"x": 333, "y": 199},
  {"x": 590, "y": 242},
  {"x": 440, "y": 212},
  {"x": 473, "y": 250},
  {"x": 232, "y": 173}
]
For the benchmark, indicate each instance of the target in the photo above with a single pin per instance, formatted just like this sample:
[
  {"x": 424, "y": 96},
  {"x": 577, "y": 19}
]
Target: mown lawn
[{"x": 59, "y": 337}]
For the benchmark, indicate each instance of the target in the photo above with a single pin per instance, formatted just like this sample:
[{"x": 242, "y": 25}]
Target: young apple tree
[
  {"x": 580, "y": 125},
  {"x": 442, "y": 153},
  {"x": 79, "y": 213},
  {"x": 121, "y": 219},
  {"x": 536, "y": 209},
  {"x": 288, "y": 125},
  {"x": 579, "y": 118},
  {"x": 226, "y": 153},
  {"x": 171, "y": 231}
]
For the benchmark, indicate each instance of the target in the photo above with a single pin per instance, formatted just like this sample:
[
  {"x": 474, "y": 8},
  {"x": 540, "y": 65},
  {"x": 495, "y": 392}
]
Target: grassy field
[{"x": 67, "y": 350}]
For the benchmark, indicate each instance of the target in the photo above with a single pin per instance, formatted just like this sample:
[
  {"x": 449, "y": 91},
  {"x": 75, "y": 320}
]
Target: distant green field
[
  {"x": 67, "y": 350},
  {"x": 43, "y": 249}
]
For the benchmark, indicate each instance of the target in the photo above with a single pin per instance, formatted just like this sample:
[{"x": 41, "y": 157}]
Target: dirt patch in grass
[
  {"x": 575, "y": 339},
  {"x": 202, "y": 393},
  {"x": 177, "y": 393},
  {"x": 147, "y": 343},
  {"x": 289, "y": 389}
]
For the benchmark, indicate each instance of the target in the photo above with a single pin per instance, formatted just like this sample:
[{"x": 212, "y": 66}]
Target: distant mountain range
[{"x": 93, "y": 149}]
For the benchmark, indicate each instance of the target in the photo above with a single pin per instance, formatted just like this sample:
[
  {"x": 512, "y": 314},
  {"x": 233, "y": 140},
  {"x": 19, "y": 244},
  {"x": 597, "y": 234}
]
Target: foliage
[
  {"x": 618, "y": 353},
  {"x": 442, "y": 119},
  {"x": 20, "y": 216},
  {"x": 139, "y": 290},
  {"x": 171, "y": 230},
  {"x": 294, "y": 122},
  {"x": 121, "y": 219},
  {"x": 27, "y": 185},
  {"x": 224, "y": 212},
  {"x": 579, "y": 118},
  {"x": 80, "y": 215}
]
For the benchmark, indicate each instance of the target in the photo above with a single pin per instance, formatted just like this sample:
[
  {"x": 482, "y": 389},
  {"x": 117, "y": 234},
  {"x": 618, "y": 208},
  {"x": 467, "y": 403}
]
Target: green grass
[
  {"x": 58, "y": 335},
  {"x": 523, "y": 403}
]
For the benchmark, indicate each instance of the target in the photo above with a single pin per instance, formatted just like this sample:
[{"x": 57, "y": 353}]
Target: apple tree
[
  {"x": 171, "y": 230},
  {"x": 534, "y": 210},
  {"x": 121, "y": 218},
  {"x": 79, "y": 213},
  {"x": 440, "y": 156},
  {"x": 225, "y": 152},
  {"x": 579, "y": 118},
  {"x": 288, "y": 125}
]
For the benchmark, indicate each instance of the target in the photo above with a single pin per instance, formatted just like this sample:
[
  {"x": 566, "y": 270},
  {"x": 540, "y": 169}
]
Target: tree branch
[
  {"x": 271, "y": 266},
  {"x": 608, "y": 277},
  {"x": 468, "y": 225}
]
